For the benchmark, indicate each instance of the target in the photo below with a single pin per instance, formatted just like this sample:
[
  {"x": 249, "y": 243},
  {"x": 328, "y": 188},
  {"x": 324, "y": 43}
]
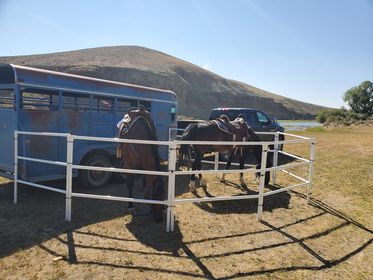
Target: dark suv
[{"x": 256, "y": 119}]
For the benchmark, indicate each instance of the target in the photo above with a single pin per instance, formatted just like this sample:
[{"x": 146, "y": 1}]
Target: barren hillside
[{"x": 198, "y": 90}]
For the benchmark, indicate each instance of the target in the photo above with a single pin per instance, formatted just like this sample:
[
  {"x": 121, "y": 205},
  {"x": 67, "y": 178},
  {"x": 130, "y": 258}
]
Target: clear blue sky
[{"x": 311, "y": 50}]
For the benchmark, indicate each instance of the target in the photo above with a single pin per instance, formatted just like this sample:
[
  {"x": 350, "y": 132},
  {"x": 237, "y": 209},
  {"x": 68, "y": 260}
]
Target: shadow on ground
[
  {"x": 39, "y": 216},
  {"x": 280, "y": 200}
]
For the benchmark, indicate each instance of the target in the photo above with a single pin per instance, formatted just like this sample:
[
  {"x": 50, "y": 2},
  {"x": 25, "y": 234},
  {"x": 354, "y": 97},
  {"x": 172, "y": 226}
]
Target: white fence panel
[{"x": 171, "y": 201}]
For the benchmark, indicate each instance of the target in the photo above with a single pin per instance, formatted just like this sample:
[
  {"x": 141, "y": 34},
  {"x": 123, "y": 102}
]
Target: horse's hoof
[
  {"x": 221, "y": 180},
  {"x": 242, "y": 182},
  {"x": 202, "y": 183},
  {"x": 192, "y": 186},
  {"x": 193, "y": 189}
]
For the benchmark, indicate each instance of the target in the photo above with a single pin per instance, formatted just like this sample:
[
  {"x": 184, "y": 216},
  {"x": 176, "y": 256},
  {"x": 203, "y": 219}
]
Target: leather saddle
[
  {"x": 225, "y": 125},
  {"x": 129, "y": 119}
]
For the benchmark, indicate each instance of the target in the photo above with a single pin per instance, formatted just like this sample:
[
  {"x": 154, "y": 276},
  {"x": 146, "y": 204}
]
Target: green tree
[{"x": 360, "y": 98}]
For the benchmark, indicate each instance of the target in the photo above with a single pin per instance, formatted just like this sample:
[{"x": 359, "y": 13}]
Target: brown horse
[
  {"x": 218, "y": 130},
  {"x": 137, "y": 124}
]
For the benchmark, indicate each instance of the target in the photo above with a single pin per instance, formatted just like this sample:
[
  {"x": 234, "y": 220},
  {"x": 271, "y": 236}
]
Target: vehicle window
[
  {"x": 213, "y": 115},
  {"x": 6, "y": 99},
  {"x": 232, "y": 115},
  {"x": 103, "y": 104},
  {"x": 74, "y": 102},
  {"x": 262, "y": 118},
  {"x": 39, "y": 99},
  {"x": 251, "y": 118}
]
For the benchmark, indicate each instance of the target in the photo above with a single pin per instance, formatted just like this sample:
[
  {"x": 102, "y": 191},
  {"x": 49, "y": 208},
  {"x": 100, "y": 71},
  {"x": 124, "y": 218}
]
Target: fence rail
[{"x": 171, "y": 201}]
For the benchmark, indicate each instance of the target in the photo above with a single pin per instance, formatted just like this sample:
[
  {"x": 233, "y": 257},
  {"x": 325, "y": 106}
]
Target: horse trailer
[{"x": 47, "y": 101}]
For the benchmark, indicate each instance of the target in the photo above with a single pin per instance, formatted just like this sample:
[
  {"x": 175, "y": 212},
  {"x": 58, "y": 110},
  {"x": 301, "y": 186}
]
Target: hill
[{"x": 198, "y": 90}]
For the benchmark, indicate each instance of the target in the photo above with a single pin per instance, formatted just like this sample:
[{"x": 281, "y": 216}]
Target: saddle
[
  {"x": 129, "y": 119},
  {"x": 225, "y": 125}
]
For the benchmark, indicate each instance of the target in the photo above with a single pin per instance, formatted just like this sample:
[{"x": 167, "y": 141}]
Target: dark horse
[
  {"x": 137, "y": 124},
  {"x": 220, "y": 130},
  {"x": 244, "y": 152}
]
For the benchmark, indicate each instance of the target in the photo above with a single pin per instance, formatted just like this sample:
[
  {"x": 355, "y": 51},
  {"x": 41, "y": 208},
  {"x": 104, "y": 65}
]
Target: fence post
[
  {"x": 275, "y": 158},
  {"x": 171, "y": 187},
  {"x": 69, "y": 176},
  {"x": 310, "y": 174},
  {"x": 216, "y": 162},
  {"x": 262, "y": 180},
  {"x": 15, "y": 166}
]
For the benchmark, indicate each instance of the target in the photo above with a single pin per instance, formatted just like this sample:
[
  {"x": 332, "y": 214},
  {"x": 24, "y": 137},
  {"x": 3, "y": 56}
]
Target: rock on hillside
[{"x": 198, "y": 90}]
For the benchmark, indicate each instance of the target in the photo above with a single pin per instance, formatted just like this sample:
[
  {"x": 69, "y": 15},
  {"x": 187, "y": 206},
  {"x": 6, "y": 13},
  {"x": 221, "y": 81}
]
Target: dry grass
[{"x": 328, "y": 239}]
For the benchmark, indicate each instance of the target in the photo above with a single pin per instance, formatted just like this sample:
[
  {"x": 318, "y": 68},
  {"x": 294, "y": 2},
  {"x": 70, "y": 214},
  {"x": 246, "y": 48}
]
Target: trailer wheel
[{"x": 93, "y": 179}]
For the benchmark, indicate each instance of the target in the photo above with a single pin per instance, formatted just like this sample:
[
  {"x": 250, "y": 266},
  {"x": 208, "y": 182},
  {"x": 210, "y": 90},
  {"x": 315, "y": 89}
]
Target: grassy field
[{"x": 330, "y": 238}]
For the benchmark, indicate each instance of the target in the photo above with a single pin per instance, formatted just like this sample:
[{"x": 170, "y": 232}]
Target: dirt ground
[{"x": 330, "y": 238}]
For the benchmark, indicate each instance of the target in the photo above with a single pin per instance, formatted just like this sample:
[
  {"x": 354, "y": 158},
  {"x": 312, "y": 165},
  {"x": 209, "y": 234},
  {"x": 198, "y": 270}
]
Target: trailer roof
[{"x": 16, "y": 74}]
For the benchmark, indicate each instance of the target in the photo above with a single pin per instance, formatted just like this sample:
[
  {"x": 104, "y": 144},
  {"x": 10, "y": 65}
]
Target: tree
[{"x": 360, "y": 98}]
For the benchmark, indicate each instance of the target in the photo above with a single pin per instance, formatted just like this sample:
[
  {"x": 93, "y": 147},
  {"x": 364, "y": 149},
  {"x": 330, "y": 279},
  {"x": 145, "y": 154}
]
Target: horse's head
[{"x": 157, "y": 193}]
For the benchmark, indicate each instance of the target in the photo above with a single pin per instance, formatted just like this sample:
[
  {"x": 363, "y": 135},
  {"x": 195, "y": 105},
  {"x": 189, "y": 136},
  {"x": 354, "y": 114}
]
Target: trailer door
[{"x": 7, "y": 127}]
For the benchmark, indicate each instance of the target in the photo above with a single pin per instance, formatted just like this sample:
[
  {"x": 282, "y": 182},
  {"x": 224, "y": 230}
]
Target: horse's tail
[{"x": 186, "y": 149}]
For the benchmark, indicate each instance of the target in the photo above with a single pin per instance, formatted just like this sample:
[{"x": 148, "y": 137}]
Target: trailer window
[
  {"x": 6, "y": 99},
  {"x": 146, "y": 105},
  {"x": 103, "y": 104},
  {"x": 39, "y": 99},
  {"x": 124, "y": 105},
  {"x": 73, "y": 102}
]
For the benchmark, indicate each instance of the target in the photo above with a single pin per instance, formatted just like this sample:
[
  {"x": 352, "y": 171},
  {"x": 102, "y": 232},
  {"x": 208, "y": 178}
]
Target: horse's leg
[
  {"x": 258, "y": 155},
  {"x": 192, "y": 183},
  {"x": 202, "y": 182},
  {"x": 229, "y": 162},
  {"x": 148, "y": 183},
  {"x": 257, "y": 151},
  {"x": 242, "y": 165},
  {"x": 269, "y": 164},
  {"x": 130, "y": 181}
]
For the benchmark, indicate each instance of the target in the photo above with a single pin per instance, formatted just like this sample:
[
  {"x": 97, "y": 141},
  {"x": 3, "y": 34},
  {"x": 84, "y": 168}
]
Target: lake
[{"x": 298, "y": 125}]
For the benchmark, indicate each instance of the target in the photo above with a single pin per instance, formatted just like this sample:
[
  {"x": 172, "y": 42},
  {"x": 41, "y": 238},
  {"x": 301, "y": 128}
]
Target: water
[{"x": 298, "y": 125}]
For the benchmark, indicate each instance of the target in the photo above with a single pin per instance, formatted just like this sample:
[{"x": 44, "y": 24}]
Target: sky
[{"x": 311, "y": 51}]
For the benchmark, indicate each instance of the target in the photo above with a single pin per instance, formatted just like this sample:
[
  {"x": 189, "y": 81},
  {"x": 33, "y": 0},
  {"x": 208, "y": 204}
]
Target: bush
[
  {"x": 321, "y": 116},
  {"x": 359, "y": 99},
  {"x": 340, "y": 116}
]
